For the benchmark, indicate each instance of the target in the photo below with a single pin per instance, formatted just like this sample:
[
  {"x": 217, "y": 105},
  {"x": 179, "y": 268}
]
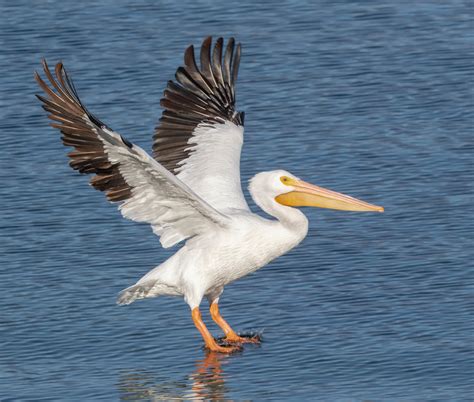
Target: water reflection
[
  {"x": 208, "y": 379},
  {"x": 206, "y": 382}
]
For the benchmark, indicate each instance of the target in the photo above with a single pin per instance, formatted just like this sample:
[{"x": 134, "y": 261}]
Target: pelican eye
[{"x": 285, "y": 180}]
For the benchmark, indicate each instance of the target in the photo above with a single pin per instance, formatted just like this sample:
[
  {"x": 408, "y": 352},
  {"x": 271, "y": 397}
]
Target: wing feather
[
  {"x": 200, "y": 133},
  {"x": 146, "y": 191}
]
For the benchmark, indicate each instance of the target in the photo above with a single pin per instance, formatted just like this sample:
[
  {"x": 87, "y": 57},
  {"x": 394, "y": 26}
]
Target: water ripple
[{"x": 371, "y": 99}]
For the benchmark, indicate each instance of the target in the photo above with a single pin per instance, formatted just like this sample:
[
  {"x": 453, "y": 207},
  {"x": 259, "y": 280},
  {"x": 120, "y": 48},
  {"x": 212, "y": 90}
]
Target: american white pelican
[{"x": 190, "y": 189}]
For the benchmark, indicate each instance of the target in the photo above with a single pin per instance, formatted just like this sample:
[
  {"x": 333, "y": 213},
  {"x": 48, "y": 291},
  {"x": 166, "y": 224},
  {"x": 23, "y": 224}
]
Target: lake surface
[{"x": 373, "y": 99}]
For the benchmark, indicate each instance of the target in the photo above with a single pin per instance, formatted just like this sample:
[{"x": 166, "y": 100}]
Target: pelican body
[
  {"x": 206, "y": 263},
  {"x": 189, "y": 190}
]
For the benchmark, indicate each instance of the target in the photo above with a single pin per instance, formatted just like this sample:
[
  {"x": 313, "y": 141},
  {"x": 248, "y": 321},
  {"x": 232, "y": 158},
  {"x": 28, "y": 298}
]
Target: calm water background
[{"x": 369, "y": 98}]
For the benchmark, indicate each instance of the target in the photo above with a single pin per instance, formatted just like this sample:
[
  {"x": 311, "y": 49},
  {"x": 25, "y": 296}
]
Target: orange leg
[
  {"x": 211, "y": 344},
  {"x": 230, "y": 335}
]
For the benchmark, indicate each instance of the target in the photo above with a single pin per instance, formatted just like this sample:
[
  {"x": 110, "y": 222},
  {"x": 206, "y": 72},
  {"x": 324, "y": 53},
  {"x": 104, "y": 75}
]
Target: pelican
[{"x": 189, "y": 189}]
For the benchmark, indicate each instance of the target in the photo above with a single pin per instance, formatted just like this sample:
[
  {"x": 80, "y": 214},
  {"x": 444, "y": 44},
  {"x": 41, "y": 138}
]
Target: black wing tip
[
  {"x": 89, "y": 155},
  {"x": 61, "y": 79},
  {"x": 207, "y": 41},
  {"x": 226, "y": 65},
  {"x": 198, "y": 95}
]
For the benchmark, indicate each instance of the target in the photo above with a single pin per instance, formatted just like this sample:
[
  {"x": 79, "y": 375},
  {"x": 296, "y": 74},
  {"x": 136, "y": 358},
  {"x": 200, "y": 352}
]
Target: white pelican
[{"x": 190, "y": 189}]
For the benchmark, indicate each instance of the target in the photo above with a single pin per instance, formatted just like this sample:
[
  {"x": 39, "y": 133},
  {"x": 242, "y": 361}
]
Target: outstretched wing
[
  {"x": 146, "y": 191},
  {"x": 200, "y": 134}
]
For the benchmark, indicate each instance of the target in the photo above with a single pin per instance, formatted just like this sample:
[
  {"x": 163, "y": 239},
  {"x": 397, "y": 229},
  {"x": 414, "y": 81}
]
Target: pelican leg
[
  {"x": 230, "y": 335},
  {"x": 209, "y": 340}
]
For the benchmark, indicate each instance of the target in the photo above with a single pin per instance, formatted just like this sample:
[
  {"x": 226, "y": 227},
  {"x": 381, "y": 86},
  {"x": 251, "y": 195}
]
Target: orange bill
[{"x": 309, "y": 195}]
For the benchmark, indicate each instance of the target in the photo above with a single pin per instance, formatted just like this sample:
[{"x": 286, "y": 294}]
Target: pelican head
[{"x": 284, "y": 188}]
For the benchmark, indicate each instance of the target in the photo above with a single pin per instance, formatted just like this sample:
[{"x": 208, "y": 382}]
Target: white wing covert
[
  {"x": 125, "y": 172},
  {"x": 200, "y": 134}
]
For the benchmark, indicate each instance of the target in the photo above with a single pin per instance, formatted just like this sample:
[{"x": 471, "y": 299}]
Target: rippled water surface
[{"x": 369, "y": 98}]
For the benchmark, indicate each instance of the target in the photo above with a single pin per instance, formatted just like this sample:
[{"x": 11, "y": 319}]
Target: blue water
[{"x": 373, "y": 99}]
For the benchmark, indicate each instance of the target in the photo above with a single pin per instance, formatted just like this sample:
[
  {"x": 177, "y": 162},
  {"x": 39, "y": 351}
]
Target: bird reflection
[
  {"x": 206, "y": 382},
  {"x": 208, "y": 378}
]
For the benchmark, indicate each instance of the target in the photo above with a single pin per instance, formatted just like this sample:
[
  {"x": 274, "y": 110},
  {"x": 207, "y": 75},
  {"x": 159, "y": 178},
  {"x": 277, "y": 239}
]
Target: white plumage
[
  {"x": 224, "y": 253},
  {"x": 190, "y": 189},
  {"x": 173, "y": 210},
  {"x": 215, "y": 148}
]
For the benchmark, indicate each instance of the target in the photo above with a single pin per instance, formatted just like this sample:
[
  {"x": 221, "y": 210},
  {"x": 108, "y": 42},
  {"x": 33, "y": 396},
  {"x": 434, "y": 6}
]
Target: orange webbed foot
[
  {"x": 240, "y": 339},
  {"x": 224, "y": 349},
  {"x": 231, "y": 336},
  {"x": 235, "y": 339}
]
